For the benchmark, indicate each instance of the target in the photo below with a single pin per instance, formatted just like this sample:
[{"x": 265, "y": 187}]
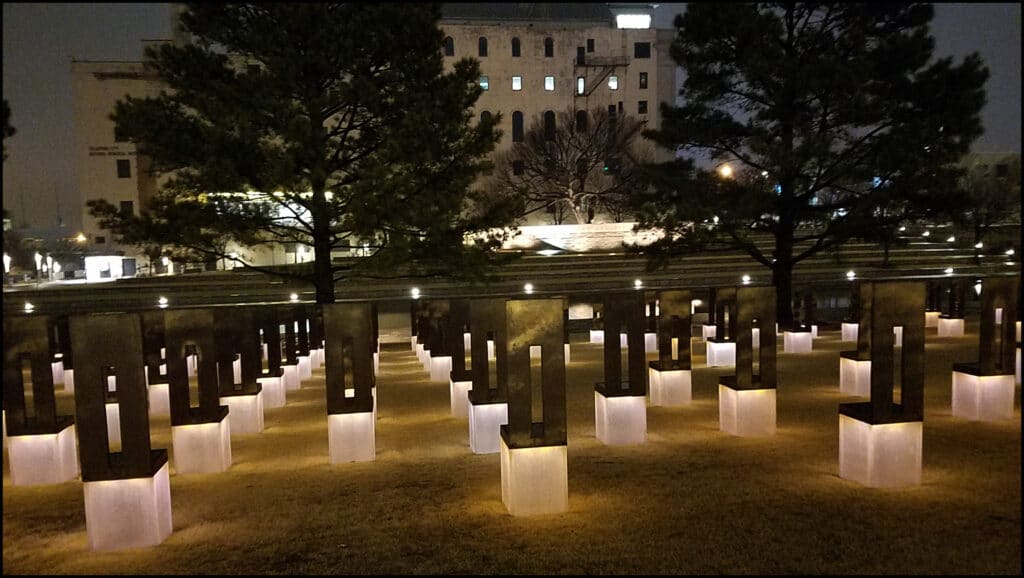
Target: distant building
[{"x": 534, "y": 58}]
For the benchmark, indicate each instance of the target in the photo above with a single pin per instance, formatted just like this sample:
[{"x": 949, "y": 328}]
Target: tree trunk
[{"x": 782, "y": 278}]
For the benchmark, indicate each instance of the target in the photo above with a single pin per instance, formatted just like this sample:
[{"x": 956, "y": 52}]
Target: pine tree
[{"x": 826, "y": 114}]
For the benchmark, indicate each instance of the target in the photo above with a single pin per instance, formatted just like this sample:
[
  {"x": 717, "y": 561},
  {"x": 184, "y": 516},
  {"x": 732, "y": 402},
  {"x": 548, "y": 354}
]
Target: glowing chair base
[
  {"x": 457, "y": 391},
  {"x": 620, "y": 420},
  {"x": 351, "y": 437},
  {"x": 534, "y": 480},
  {"x": 671, "y": 387},
  {"x": 797, "y": 341},
  {"x": 485, "y": 421},
  {"x": 982, "y": 397},
  {"x": 950, "y": 327},
  {"x": 746, "y": 412},
  {"x": 202, "y": 448},
  {"x": 880, "y": 455},
  {"x": 721, "y": 353},
  {"x": 50, "y": 458},
  {"x": 273, "y": 390},
  {"x": 129, "y": 513},
  {"x": 854, "y": 374},
  {"x": 246, "y": 412}
]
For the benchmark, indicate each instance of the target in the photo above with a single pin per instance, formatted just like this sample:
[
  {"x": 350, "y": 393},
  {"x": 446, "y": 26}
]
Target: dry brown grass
[{"x": 691, "y": 500}]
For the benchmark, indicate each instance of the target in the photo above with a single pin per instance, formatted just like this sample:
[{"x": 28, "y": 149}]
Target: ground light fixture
[
  {"x": 1009, "y": 251},
  {"x": 979, "y": 245},
  {"x": 977, "y": 287},
  {"x": 948, "y": 271},
  {"x": 951, "y": 239},
  {"x": 7, "y": 263},
  {"x": 926, "y": 233},
  {"x": 637, "y": 283},
  {"x": 746, "y": 279},
  {"x": 850, "y": 275},
  {"x": 293, "y": 297},
  {"x": 29, "y": 307},
  {"x": 528, "y": 288},
  {"x": 903, "y": 228},
  {"x": 415, "y": 292},
  {"x": 162, "y": 302}
]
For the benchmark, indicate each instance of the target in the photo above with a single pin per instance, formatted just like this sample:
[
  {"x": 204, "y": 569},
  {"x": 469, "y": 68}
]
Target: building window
[
  {"x": 590, "y": 44},
  {"x": 517, "y": 168},
  {"x": 515, "y": 48},
  {"x": 124, "y": 169},
  {"x": 549, "y": 47},
  {"x": 482, "y": 46},
  {"x": 611, "y": 112},
  {"x": 581, "y": 56},
  {"x": 641, "y": 50},
  {"x": 485, "y": 83},
  {"x": 549, "y": 83},
  {"x": 643, "y": 81},
  {"x": 485, "y": 116},
  {"x": 517, "y": 83},
  {"x": 613, "y": 83},
  {"x": 641, "y": 107},
  {"x": 449, "y": 46},
  {"x": 549, "y": 125},
  {"x": 517, "y": 126},
  {"x": 127, "y": 207},
  {"x": 100, "y": 239},
  {"x": 581, "y": 121},
  {"x": 581, "y": 85}
]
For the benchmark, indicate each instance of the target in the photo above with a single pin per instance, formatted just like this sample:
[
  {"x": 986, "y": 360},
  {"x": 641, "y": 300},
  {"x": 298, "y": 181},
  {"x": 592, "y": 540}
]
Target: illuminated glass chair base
[
  {"x": 203, "y": 448},
  {"x": 849, "y": 331},
  {"x": 485, "y": 421},
  {"x": 352, "y": 437},
  {"x": 979, "y": 397},
  {"x": 620, "y": 419},
  {"x": 950, "y": 327},
  {"x": 246, "y": 410},
  {"x": 457, "y": 392},
  {"x": 291, "y": 377},
  {"x": 43, "y": 458},
  {"x": 131, "y": 512},
  {"x": 797, "y": 341},
  {"x": 274, "y": 392},
  {"x": 669, "y": 387},
  {"x": 878, "y": 453},
  {"x": 534, "y": 480},
  {"x": 440, "y": 367},
  {"x": 745, "y": 411},
  {"x": 721, "y": 353},
  {"x": 854, "y": 374}
]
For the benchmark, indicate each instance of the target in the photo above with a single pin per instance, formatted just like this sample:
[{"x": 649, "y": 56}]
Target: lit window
[
  {"x": 549, "y": 83},
  {"x": 517, "y": 83},
  {"x": 613, "y": 82},
  {"x": 485, "y": 83},
  {"x": 641, "y": 107},
  {"x": 641, "y": 21},
  {"x": 581, "y": 85},
  {"x": 643, "y": 81}
]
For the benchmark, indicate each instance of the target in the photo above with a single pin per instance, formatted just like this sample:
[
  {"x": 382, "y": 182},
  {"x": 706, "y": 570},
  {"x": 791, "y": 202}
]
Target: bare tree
[{"x": 573, "y": 163}]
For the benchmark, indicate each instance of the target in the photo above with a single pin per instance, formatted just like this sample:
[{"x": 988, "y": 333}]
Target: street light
[
  {"x": 7, "y": 263},
  {"x": 725, "y": 171},
  {"x": 81, "y": 238}
]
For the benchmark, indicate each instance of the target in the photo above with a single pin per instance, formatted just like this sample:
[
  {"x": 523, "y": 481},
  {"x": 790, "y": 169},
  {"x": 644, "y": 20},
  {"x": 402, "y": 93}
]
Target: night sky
[{"x": 41, "y": 39}]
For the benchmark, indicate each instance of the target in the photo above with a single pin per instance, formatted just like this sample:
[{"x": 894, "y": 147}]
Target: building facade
[{"x": 534, "y": 58}]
